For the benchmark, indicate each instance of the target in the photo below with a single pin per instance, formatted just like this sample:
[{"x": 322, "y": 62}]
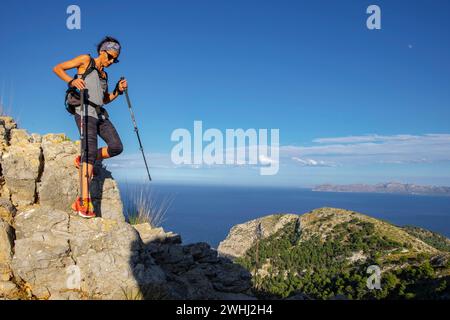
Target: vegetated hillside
[
  {"x": 432, "y": 238},
  {"x": 326, "y": 252}
]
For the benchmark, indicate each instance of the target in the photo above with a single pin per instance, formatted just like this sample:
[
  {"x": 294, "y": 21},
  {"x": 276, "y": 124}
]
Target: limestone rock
[
  {"x": 7, "y": 210},
  {"x": 6, "y": 244},
  {"x": 53, "y": 248},
  {"x": 8, "y": 290},
  {"x": 60, "y": 256},
  {"x": 195, "y": 272},
  {"x": 3, "y": 136},
  {"x": 6, "y": 124},
  {"x": 151, "y": 234},
  {"x": 21, "y": 167},
  {"x": 242, "y": 236},
  {"x": 106, "y": 195},
  {"x": 108, "y": 254},
  {"x": 19, "y": 137},
  {"x": 41, "y": 250},
  {"x": 59, "y": 184}
]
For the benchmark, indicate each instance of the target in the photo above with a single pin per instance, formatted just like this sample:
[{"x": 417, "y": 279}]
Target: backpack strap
[{"x": 91, "y": 67}]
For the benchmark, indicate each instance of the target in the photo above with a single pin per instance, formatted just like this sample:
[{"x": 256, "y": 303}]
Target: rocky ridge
[{"x": 46, "y": 252}]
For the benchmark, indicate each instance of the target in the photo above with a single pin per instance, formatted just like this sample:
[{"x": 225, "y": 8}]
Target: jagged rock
[
  {"x": 204, "y": 281},
  {"x": 7, "y": 210},
  {"x": 202, "y": 252},
  {"x": 6, "y": 124},
  {"x": 21, "y": 165},
  {"x": 194, "y": 272},
  {"x": 41, "y": 250},
  {"x": 3, "y": 136},
  {"x": 113, "y": 263},
  {"x": 150, "y": 234},
  {"x": 35, "y": 138},
  {"x": 230, "y": 277},
  {"x": 174, "y": 258},
  {"x": 106, "y": 195},
  {"x": 59, "y": 185},
  {"x": 6, "y": 244},
  {"x": 19, "y": 137},
  {"x": 52, "y": 247},
  {"x": 8, "y": 289},
  {"x": 108, "y": 254},
  {"x": 439, "y": 261},
  {"x": 242, "y": 236},
  {"x": 192, "y": 285}
]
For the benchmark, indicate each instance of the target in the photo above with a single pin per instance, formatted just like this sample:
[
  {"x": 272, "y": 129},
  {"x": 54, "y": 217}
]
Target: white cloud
[
  {"x": 326, "y": 152},
  {"x": 264, "y": 160},
  {"x": 366, "y": 138},
  {"x": 313, "y": 163},
  {"x": 427, "y": 148}
]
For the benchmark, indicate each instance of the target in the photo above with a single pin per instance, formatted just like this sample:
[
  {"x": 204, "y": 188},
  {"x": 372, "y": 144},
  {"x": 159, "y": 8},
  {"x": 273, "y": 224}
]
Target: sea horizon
[{"x": 207, "y": 212}]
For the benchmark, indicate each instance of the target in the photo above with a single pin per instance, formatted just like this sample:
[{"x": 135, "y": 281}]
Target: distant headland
[{"x": 389, "y": 187}]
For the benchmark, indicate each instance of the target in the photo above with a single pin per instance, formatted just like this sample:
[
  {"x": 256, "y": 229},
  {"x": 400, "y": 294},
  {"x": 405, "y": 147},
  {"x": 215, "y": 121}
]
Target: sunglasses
[{"x": 110, "y": 57}]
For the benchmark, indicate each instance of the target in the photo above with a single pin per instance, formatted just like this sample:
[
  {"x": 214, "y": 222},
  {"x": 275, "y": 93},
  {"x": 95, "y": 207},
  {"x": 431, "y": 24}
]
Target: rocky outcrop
[
  {"x": 6, "y": 124},
  {"x": 243, "y": 236},
  {"x": 6, "y": 245},
  {"x": 40, "y": 170},
  {"x": 21, "y": 166},
  {"x": 46, "y": 252},
  {"x": 7, "y": 287},
  {"x": 62, "y": 256},
  {"x": 57, "y": 190}
]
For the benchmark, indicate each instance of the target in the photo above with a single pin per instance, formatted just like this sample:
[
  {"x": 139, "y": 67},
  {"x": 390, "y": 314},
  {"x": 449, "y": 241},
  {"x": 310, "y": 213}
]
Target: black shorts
[{"x": 105, "y": 129}]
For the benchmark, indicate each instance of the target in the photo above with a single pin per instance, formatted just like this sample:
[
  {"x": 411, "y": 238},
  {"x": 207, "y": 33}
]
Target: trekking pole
[
  {"x": 136, "y": 129},
  {"x": 82, "y": 138}
]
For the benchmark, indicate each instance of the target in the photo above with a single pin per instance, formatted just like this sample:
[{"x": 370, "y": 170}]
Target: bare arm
[
  {"x": 80, "y": 62},
  {"x": 110, "y": 96}
]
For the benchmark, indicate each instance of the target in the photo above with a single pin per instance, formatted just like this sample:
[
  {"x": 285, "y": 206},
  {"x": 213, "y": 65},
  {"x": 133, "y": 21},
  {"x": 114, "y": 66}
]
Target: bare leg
[{"x": 86, "y": 170}]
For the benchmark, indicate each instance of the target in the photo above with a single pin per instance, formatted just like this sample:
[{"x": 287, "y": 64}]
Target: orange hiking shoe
[
  {"x": 77, "y": 162},
  {"x": 86, "y": 210},
  {"x": 76, "y": 204}
]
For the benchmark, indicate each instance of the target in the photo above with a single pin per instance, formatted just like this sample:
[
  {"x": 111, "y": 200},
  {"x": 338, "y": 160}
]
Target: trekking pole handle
[{"x": 123, "y": 78}]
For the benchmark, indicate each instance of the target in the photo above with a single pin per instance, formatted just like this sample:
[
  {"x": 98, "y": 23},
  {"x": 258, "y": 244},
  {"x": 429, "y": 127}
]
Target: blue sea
[{"x": 206, "y": 213}]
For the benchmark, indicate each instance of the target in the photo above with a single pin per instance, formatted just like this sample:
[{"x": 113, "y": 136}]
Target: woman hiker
[{"x": 94, "y": 80}]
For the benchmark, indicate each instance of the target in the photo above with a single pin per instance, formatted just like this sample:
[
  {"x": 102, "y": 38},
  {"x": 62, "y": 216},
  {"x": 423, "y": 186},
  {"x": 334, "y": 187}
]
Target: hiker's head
[{"x": 108, "y": 50}]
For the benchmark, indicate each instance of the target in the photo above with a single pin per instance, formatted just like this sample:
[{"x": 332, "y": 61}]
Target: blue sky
[{"x": 352, "y": 104}]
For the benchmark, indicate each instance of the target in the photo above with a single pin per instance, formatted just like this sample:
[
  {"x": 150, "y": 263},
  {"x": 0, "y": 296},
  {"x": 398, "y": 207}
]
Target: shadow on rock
[{"x": 192, "y": 271}]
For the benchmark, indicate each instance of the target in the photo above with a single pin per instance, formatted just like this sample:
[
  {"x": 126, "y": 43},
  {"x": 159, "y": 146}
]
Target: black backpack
[{"x": 72, "y": 98}]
